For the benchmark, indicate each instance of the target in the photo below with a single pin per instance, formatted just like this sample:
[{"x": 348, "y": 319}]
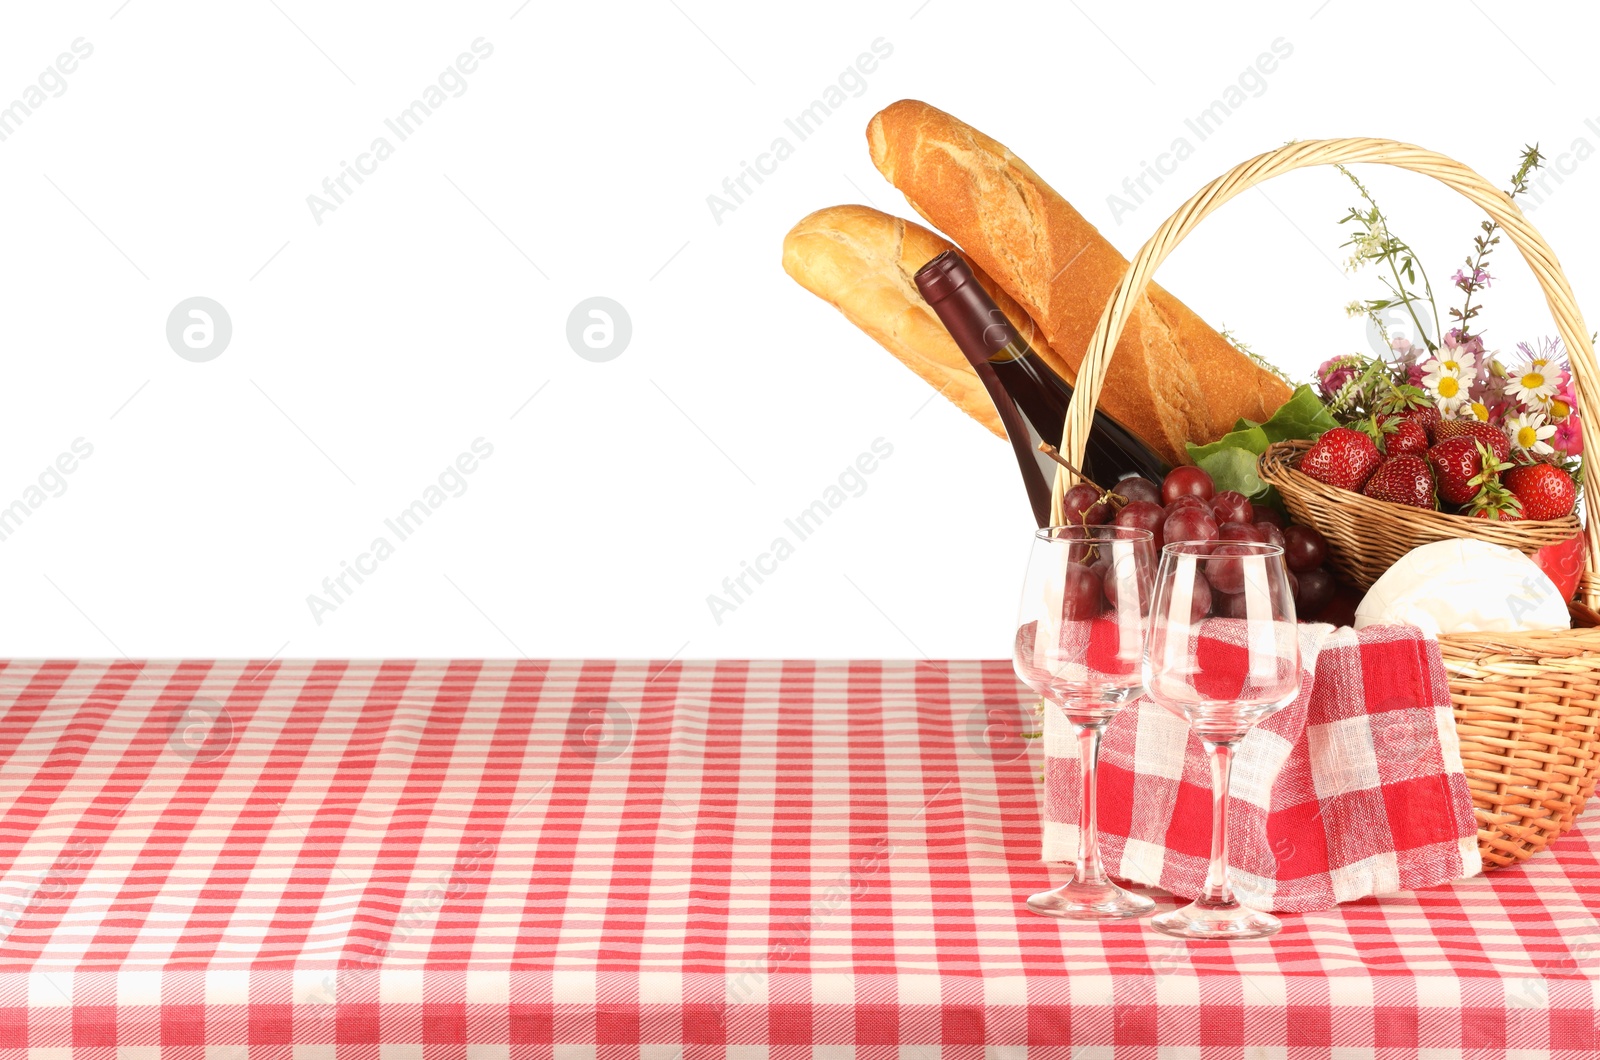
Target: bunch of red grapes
[{"x": 1186, "y": 507}]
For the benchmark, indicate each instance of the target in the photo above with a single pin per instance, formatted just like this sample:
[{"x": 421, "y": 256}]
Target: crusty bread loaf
[
  {"x": 1173, "y": 379},
  {"x": 861, "y": 261}
]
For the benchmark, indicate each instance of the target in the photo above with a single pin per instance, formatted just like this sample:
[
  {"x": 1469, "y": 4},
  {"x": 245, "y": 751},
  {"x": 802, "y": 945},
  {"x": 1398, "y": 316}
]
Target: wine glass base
[
  {"x": 1213, "y": 920},
  {"x": 1090, "y": 901}
]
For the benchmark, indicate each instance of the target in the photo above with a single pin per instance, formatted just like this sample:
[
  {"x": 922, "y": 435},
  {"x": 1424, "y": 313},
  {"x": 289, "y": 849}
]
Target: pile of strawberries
[{"x": 1461, "y": 466}]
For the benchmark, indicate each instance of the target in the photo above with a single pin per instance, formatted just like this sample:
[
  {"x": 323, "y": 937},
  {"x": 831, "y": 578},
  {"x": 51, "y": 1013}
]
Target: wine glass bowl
[
  {"x": 1223, "y": 653},
  {"x": 1080, "y": 644}
]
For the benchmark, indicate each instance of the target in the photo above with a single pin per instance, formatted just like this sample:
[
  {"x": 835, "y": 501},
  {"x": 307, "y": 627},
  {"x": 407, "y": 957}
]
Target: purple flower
[{"x": 1480, "y": 278}]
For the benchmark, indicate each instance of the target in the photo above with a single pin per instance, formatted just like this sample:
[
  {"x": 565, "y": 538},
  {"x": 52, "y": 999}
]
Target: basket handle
[{"x": 1535, "y": 251}]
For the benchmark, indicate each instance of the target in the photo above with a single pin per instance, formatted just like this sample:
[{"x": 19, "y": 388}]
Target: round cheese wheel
[{"x": 1465, "y": 586}]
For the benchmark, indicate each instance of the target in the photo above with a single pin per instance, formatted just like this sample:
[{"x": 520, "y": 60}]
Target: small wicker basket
[
  {"x": 1366, "y": 536},
  {"x": 1527, "y": 705}
]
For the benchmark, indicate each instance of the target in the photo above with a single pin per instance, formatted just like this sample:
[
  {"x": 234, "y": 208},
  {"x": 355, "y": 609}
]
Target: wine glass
[
  {"x": 1080, "y": 638},
  {"x": 1223, "y": 674}
]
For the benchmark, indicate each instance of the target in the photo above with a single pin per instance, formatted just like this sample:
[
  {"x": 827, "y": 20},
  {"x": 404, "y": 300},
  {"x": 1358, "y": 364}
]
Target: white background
[{"x": 425, "y": 311}]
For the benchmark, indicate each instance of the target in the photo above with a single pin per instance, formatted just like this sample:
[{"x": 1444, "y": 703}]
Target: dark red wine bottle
[{"x": 1029, "y": 396}]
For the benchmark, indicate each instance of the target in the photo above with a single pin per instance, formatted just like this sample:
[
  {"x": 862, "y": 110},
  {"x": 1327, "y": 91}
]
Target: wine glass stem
[
  {"x": 1089, "y": 869},
  {"x": 1217, "y": 890}
]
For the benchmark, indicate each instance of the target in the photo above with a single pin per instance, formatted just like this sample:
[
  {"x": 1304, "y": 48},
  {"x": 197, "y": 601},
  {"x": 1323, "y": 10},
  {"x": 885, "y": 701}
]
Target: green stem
[
  {"x": 1466, "y": 307},
  {"x": 1406, "y": 299},
  {"x": 1399, "y": 287}
]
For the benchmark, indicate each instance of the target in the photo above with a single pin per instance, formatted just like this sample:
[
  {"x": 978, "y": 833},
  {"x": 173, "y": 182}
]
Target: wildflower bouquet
[{"x": 1447, "y": 424}]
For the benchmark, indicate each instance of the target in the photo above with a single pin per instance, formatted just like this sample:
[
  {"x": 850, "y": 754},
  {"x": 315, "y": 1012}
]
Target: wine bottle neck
[{"x": 1015, "y": 350}]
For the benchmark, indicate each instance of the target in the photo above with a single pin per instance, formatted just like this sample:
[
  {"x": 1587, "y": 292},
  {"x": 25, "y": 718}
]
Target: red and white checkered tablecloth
[{"x": 746, "y": 860}]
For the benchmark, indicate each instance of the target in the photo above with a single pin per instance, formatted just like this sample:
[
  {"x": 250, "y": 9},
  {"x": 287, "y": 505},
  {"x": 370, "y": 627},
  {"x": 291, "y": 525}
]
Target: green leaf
[
  {"x": 1231, "y": 459},
  {"x": 1303, "y": 416},
  {"x": 1234, "y": 469},
  {"x": 1251, "y": 440}
]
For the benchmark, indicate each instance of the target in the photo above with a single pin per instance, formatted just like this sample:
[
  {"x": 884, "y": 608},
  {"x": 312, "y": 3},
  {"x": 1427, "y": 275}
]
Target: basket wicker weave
[
  {"x": 1526, "y": 705},
  {"x": 1366, "y": 536}
]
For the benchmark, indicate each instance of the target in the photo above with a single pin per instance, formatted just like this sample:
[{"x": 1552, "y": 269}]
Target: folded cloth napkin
[{"x": 1355, "y": 788}]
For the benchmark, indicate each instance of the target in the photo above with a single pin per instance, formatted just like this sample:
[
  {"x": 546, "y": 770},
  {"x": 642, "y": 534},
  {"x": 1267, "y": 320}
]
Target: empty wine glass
[
  {"x": 1080, "y": 638},
  {"x": 1224, "y": 674}
]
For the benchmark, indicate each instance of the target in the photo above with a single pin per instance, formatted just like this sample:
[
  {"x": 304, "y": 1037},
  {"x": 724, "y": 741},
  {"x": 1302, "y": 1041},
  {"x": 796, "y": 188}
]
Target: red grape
[
  {"x": 1269, "y": 515},
  {"x": 1200, "y": 602},
  {"x": 1109, "y": 578},
  {"x": 1187, "y": 502},
  {"x": 1238, "y": 532},
  {"x": 1270, "y": 534},
  {"x": 1085, "y": 505},
  {"x": 1143, "y": 515},
  {"x": 1187, "y": 482},
  {"x": 1341, "y": 610},
  {"x": 1135, "y": 488},
  {"x": 1231, "y": 506},
  {"x": 1189, "y": 524},
  {"x": 1316, "y": 592},
  {"x": 1080, "y": 596},
  {"x": 1303, "y": 548},
  {"x": 1229, "y": 605},
  {"x": 1226, "y": 575}
]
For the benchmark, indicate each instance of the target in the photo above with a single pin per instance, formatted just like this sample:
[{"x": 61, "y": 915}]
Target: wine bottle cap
[{"x": 964, "y": 307}]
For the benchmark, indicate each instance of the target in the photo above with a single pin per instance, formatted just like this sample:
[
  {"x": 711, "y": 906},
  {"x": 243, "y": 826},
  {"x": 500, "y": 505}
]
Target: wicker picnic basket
[{"x": 1527, "y": 705}]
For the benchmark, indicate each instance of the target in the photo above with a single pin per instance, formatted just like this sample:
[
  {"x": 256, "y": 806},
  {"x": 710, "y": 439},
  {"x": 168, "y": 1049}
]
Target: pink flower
[
  {"x": 1569, "y": 436},
  {"x": 1473, "y": 345},
  {"x": 1335, "y": 372},
  {"x": 1565, "y": 392},
  {"x": 1489, "y": 389}
]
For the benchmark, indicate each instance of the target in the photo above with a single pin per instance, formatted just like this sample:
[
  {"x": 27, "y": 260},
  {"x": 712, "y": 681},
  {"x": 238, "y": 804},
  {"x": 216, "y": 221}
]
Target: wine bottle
[{"x": 1029, "y": 396}]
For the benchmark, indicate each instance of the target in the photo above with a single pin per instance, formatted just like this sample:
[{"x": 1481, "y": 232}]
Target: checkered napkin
[{"x": 1354, "y": 789}]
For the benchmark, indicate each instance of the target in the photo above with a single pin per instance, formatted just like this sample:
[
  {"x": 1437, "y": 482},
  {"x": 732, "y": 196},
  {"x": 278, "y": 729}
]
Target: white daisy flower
[
  {"x": 1479, "y": 411},
  {"x": 1446, "y": 387},
  {"x": 1531, "y": 382},
  {"x": 1450, "y": 407},
  {"x": 1529, "y": 433},
  {"x": 1458, "y": 363}
]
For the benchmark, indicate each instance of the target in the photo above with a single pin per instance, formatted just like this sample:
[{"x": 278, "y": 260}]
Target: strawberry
[
  {"x": 1494, "y": 437},
  {"x": 1403, "y": 479},
  {"x": 1342, "y": 457},
  {"x": 1403, "y": 436},
  {"x": 1546, "y": 491},
  {"x": 1427, "y": 418},
  {"x": 1563, "y": 564},
  {"x": 1462, "y": 466},
  {"x": 1494, "y": 502}
]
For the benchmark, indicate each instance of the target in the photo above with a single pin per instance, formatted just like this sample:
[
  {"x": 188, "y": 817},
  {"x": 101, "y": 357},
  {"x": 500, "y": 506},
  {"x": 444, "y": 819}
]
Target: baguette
[
  {"x": 861, "y": 261},
  {"x": 1173, "y": 379}
]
